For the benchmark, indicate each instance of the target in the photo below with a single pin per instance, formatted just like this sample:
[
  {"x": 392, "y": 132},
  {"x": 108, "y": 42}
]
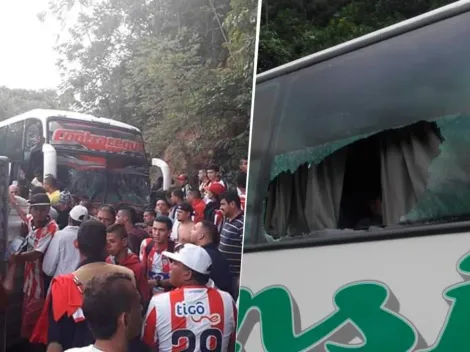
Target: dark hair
[
  {"x": 240, "y": 180},
  {"x": 164, "y": 220},
  {"x": 51, "y": 181},
  {"x": 196, "y": 193},
  {"x": 129, "y": 212},
  {"x": 37, "y": 190},
  {"x": 213, "y": 167},
  {"x": 91, "y": 240},
  {"x": 108, "y": 209},
  {"x": 231, "y": 196},
  {"x": 118, "y": 229},
  {"x": 201, "y": 279},
  {"x": 105, "y": 298},
  {"x": 151, "y": 211},
  {"x": 178, "y": 193},
  {"x": 73, "y": 222},
  {"x": 185, "y": 206},
  {"x": 164, "y": 200},
  {"x": 212, "y": 230},
  {"x": 87, "y": 204}
]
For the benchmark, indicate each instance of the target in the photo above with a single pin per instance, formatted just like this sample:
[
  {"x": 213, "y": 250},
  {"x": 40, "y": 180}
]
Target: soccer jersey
[
  {"x": 38, "y": 239},
  {"x": 156, "y": 264},
  {"x": 191, "y": 318}
]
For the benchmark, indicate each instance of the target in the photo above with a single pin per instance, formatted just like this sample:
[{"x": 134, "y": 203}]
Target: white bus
[
  {"x": 358, "y": 213},
  {"x": 100, "y": 158},
  {"x": 96, "y": 157}
]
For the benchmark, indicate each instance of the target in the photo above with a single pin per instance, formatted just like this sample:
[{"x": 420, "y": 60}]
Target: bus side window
[
  {"x": 14, "y": 141},
  {"x": 32, "y": 147}
]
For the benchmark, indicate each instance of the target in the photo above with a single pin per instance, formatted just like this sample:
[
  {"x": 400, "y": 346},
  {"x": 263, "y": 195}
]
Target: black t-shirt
[{"x": 67, "y": 332}]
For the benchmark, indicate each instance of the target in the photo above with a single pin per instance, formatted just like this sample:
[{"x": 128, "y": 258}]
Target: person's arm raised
[{"x": 14, "y": 204}]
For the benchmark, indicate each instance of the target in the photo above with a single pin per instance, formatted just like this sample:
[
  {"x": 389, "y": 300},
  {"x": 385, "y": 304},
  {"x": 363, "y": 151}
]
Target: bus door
[
  {"x": 32, "y": 148},
  {"x": 11, "y": 146}
]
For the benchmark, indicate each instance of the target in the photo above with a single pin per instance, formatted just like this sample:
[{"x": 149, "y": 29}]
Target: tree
[
  {"x": 293, "y": 29},
  {"x": 17, "y": 101},
  {"x": 179, "y": 70}
]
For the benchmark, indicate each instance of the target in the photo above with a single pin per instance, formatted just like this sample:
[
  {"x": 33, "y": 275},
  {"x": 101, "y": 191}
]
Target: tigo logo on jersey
[
  {"x": 186, "y": 310},
  {"x": 197, "y": 312}
]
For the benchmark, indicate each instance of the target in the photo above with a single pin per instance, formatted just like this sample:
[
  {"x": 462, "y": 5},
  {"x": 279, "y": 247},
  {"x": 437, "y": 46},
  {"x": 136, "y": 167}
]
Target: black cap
[
  {"x": 39, "y": 199},
  {"x": 185, "y": 207}
]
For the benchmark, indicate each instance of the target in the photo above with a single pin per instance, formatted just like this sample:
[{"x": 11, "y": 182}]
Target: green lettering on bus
[
  {"x": 364, "y": 309},
  {"x": 455, "y": 333}
]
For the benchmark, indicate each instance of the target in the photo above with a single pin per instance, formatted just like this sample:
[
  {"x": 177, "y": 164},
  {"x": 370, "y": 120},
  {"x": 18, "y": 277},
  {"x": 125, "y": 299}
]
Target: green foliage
[
  {"x": 180, "y": 70},
  {"x": 16, "y": 101},
  {"x": 293, "y": 29}
]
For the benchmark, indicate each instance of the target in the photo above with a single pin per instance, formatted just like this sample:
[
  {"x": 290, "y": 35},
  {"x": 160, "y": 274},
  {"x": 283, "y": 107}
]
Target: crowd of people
[{"x": 96, "y": 279}]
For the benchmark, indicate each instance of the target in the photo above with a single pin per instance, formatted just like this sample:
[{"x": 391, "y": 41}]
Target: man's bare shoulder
[
  {"x": 88, "y": 271},
  {"x": 121, "y": 269}
]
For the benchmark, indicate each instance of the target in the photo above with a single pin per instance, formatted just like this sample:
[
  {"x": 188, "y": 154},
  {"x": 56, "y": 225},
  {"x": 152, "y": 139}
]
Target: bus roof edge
[{"x": 425, "y": 19}]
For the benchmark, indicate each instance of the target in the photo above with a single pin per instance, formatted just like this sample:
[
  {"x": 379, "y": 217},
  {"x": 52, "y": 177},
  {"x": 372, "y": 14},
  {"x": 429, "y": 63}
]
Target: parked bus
[
  {"x": 358, "y": 229},
  {"x": 99, "y": 158}
]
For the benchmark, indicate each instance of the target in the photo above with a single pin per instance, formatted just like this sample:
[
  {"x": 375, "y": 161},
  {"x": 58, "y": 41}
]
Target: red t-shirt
[
  {"x": 198, "y": 206},
  {"x": 133, "y": 263}
]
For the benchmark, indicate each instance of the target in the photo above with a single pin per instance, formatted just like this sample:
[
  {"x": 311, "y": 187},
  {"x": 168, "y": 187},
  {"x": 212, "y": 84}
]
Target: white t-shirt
[
  {"x": 36, "y": 183},
  {"x": 62, "y": 257},
  {"x": 174, "y": 231},
  {"x": 89, "y": 348}
]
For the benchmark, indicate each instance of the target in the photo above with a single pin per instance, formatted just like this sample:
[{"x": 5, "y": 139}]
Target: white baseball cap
[
  {"x": 79, "y": 213},
  {"x": 194, "y": 257}
]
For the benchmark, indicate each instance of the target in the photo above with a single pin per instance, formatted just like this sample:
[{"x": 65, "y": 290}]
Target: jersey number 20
[{"x": 204, "y": 339}]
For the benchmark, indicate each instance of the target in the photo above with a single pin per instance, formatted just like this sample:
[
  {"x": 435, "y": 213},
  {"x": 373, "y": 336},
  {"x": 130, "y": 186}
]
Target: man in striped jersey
[
  {"x": 193, "y": 317},
  {"x": 231, "y": 236}
]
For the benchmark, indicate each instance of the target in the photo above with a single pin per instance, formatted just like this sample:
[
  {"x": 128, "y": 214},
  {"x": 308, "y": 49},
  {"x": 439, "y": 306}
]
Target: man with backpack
[{"x": 156, "y": 265}]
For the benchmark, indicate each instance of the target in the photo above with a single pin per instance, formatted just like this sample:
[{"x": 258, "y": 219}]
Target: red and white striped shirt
[
  {"x": 242, "y": 196},
  {"x": 191, "y": 318},
  {"x": 157, "y": 266},
  {"x": 38, "y": 240}
]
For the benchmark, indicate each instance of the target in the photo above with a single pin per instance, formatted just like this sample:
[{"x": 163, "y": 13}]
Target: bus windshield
[
  {"x": 110, "y": 179},
  {"x": 104, "y": 163}
]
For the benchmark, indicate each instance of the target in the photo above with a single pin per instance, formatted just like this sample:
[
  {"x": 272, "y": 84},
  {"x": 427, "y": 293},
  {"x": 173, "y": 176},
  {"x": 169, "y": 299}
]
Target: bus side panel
[
  {"x": 4, "y": 178},
  {"x": 414, "y": 272}
]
